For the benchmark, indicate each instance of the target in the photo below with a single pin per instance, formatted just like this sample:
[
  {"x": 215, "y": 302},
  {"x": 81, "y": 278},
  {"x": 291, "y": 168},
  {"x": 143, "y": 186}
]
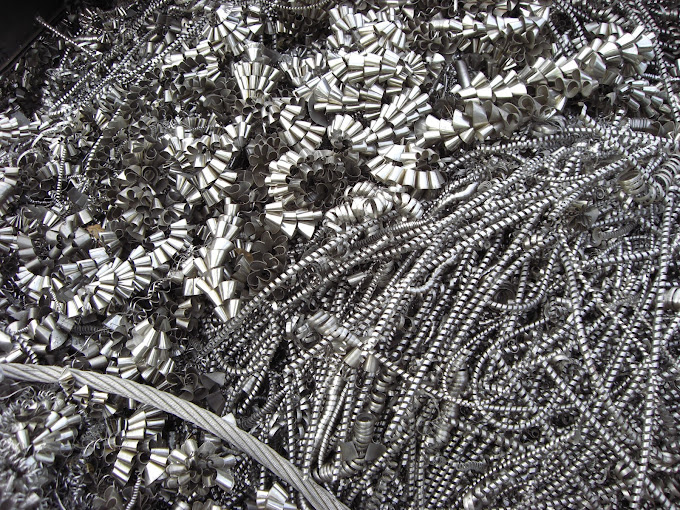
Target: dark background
[{"x": 18, "y": 27}]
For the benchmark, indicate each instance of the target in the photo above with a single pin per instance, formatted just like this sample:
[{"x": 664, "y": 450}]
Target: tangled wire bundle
[{"x": 372, "y": 254}]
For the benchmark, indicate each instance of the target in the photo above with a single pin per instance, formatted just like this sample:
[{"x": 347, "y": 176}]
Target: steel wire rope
[{"x": 319, "y": 497}]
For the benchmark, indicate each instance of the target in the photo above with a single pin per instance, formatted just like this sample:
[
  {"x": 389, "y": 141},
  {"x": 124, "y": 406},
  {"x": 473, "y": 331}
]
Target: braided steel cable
[{"x": 319, "y": 497}]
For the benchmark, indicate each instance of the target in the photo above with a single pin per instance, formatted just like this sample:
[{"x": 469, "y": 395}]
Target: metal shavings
[{"x": 424, "y": 252}]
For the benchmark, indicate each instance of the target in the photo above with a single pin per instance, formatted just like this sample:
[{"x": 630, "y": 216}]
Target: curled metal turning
[{"x": 425, "y": 253}]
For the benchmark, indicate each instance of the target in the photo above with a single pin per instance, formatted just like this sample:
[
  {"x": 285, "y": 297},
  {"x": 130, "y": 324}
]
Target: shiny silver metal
[{"x": 425, "y": 252}]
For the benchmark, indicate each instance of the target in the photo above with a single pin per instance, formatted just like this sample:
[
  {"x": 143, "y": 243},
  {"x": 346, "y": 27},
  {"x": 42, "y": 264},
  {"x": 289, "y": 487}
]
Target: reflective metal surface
[{"x": 424, "y": 251}]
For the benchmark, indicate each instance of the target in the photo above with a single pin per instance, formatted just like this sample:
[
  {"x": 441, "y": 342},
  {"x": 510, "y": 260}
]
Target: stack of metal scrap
[{"x": 421, "y": 254}]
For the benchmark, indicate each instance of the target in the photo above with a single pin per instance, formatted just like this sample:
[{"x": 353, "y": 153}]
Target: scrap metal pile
[{"x": 382, "y": 254}]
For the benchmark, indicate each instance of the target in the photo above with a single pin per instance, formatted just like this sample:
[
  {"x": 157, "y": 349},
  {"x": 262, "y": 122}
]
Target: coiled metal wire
[{"x": 424, "y": 253}]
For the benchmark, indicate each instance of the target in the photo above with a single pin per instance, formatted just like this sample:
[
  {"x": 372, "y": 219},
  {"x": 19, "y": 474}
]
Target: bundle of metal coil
[{"x": 376, "y": 254}]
